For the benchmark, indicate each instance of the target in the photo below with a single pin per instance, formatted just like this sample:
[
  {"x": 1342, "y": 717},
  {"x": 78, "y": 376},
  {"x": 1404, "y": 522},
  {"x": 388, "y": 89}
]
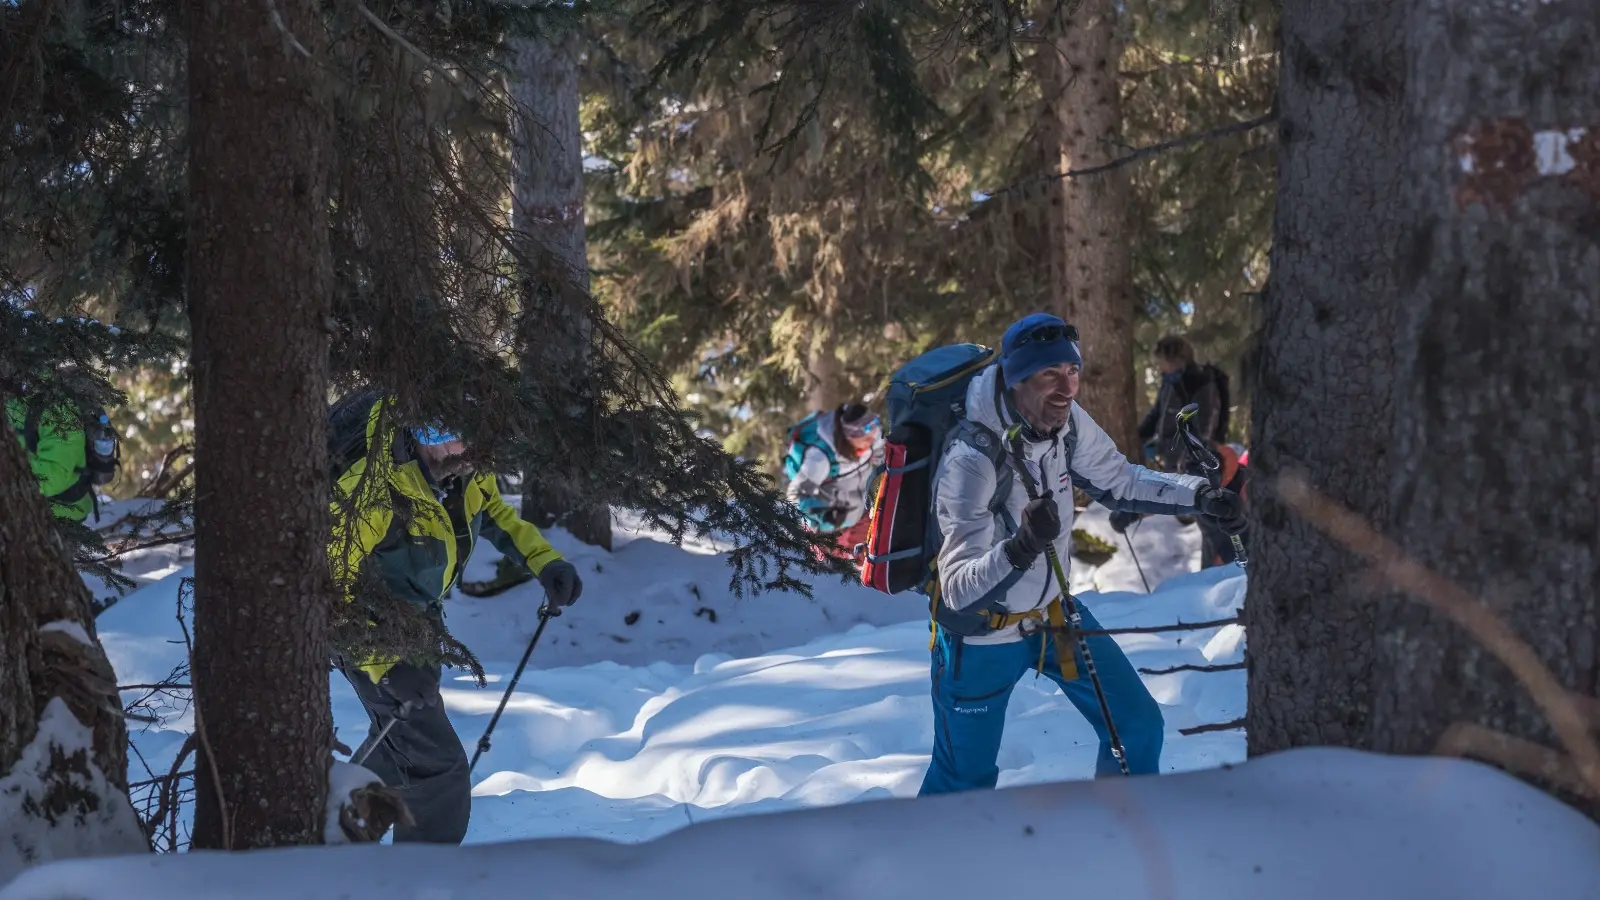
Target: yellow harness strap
[
  {"x": 1051, "y": 613},
  {"x": 1058, "y": 632}
]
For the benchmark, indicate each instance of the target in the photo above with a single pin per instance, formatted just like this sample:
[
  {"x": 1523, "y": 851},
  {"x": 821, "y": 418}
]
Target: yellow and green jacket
[
  {"x": 419, "y": 553},
  {"x": 59, "y": 461}
]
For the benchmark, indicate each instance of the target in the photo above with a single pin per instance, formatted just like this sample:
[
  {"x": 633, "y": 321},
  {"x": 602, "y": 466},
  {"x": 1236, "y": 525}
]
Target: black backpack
[
  {"x": 347, "y": 430},
  {"x": 102, "y": 452},
  {"x": 1224, "y": 401}
]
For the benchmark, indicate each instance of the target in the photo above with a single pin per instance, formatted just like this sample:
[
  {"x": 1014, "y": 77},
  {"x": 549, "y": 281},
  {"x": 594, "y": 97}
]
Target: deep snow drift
[{"x": 1316, "y": 824}]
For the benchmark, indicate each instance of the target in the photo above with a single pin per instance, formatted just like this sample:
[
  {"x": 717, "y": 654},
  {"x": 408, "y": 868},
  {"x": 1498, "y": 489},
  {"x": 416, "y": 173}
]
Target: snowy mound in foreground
[{"x": 1316, "y": 824}]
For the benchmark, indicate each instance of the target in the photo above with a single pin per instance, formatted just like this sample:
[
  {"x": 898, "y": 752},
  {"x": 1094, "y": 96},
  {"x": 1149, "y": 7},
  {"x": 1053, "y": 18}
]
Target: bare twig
[
  {"x": 1565, "y": 714},
  {"x": 200, "y": 728},
  {"x": 161, "y": 779},
  {"x": 1215, "y": 726},
  {"x": 153, "y": 687},
  {"x": 1159, "y": 629},
  {"x": 409, "y": 47},
  {"x": 1146, "y": 152},
  {"x": 1186, "y": 667},
  {"x": 277, "y": 21},
  {"x": 129, "y": 546}
]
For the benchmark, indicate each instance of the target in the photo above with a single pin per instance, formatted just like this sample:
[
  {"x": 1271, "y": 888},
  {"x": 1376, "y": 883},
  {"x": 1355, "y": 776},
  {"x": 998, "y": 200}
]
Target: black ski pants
[{"x": 421, "y": 756}]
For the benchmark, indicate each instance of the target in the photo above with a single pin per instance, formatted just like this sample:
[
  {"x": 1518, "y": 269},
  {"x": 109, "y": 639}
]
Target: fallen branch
[
  {"x": 1186, "y": 667},
  {"x": 1569, "y": 719},
  {"x": 1215, "y": 726}
]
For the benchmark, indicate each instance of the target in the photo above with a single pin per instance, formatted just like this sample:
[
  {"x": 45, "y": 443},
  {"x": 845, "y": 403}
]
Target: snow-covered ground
[
  {"x": 1315, "y": 824},
  {"x": 659, "y": 702}
]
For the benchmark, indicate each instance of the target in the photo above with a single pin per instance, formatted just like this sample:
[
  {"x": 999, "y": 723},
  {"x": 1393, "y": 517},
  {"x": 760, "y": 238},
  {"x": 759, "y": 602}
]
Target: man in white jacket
[{"x": 997, "y": 595}]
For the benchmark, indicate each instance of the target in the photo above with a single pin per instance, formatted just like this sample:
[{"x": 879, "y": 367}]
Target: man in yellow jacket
[{"x": 419, "y": 554}]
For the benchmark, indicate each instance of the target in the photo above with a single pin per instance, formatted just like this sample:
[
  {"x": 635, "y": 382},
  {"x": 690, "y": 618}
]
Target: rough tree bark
[
  {"x": 548, "y": 207},
  {"x": 1322, "y": 404},
  {"x": 1091, "y": 269},
  {"x": 63, "y": 788},
  {"x": 259, "y": 284},
  {"x": 1497, "y": 484}
]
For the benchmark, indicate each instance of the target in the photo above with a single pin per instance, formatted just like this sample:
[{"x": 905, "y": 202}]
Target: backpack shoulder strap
[
  {"x": 30, "y": 428},
  {"x": 980, "y": 438},
  {"x": 1069, "y": 444}
]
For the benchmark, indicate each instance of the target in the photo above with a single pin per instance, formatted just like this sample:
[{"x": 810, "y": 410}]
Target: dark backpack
[
  {"x": 1223, "y": 402},
  {"x": 347, "y": 430},
  {"x": 102, "y": 452}
]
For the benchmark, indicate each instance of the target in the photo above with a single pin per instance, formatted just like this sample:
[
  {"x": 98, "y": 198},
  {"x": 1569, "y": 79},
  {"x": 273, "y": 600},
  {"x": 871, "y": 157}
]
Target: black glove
[
  {"x": 1121, "y": 520},
  {"x": 1040, "y": 526},
  {"x": 404, "y": 690},
  {"x": 1223, "y": 507},
  {"x": 562, "y": 586}
]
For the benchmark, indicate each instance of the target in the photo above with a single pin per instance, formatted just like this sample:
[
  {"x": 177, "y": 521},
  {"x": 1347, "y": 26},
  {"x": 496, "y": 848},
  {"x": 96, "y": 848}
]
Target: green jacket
[
  {"x": 59, "y": 460},
  {"x": 421, "y": 558}
]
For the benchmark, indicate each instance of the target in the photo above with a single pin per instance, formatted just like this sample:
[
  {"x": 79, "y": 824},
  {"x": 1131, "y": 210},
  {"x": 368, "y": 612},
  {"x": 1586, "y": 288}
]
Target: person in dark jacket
[{"x": 1183, "y": 381}]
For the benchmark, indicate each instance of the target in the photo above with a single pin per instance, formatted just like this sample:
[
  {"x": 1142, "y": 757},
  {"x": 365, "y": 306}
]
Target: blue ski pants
[{"x": 972, "y": 684}]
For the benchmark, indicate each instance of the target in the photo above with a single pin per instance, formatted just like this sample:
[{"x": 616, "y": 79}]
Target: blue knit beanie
[{"x": 1020, "y": 357}]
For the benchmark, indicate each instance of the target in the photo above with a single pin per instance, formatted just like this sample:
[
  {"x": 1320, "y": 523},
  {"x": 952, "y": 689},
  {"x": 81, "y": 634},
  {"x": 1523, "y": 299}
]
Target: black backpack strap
[
  {"x": 980, "y": 438},
  {"x": 30, "y": 428}
]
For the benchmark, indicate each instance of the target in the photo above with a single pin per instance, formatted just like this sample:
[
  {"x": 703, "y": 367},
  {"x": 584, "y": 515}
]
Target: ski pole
[
  {"x": 1129, "y": 542},
  {"x": 1208, "y": 463},
  {"x": 1074, "y": 618},
  {"x": 545, "y": 615},
  {"x": 404, "y": 710}
]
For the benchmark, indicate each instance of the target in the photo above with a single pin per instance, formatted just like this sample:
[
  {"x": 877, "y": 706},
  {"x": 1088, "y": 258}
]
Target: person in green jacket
[
  {"x": 56, "y": 451},
  {"x": 420, "y": 555}
]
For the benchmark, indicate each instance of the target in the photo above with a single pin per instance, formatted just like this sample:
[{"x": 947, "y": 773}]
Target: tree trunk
[
  {"x": 822, "y": 371},
  {"x": 67, "y": 794},
  {"x": 1322, "y": 405},
  {"x": 548, "y": 207},
  {"x": 260, "y": 283},
  {"x": 1091, "y": 270},
  {"x": 1497, "y": 425}
]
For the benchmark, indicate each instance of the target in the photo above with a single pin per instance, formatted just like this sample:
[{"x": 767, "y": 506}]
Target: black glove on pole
[
  {"x": 1040, "y": 526},
  {"x": 1207, "y": 461},
  {"x": 562, "y": 586}
]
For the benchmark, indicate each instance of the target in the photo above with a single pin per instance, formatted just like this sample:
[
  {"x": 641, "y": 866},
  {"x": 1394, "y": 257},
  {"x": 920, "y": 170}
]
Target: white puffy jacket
[{"x": 973, "y": 561}]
